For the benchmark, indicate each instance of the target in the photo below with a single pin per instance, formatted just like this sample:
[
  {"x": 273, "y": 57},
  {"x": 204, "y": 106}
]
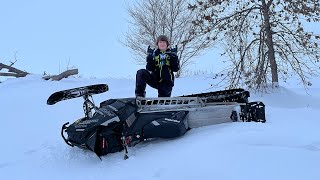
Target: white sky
[{"x": 51, "y": 35}]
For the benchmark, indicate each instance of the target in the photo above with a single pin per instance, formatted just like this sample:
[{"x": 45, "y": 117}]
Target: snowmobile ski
[{"x": 76, "y": 92}]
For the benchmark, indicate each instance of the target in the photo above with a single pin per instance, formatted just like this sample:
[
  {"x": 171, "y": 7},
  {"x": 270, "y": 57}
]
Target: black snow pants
[{"x": 144, "y": 77}]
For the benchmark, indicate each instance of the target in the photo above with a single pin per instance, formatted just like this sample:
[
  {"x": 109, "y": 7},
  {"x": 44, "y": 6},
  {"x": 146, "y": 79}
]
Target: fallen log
[
  {"x": 13, "y": 74},
  {"x": 12, "y": 71},
  {"x": 62, "y": 75}
]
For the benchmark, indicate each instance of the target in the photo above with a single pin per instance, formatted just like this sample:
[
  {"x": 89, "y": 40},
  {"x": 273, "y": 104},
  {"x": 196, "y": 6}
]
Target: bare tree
[
  {"x": 151, "y": 18},
  {"x": 263, "y": 37}
]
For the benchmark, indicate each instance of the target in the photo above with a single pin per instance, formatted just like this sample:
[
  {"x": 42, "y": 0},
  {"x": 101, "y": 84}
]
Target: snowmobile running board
[
  {"x": 176, "y": 102},
  {"x": 202, "y": 113}
]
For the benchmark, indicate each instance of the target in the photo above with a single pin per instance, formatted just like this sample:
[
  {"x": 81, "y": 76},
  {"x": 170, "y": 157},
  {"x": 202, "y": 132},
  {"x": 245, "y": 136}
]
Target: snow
[{"x": 286, "y": 147}]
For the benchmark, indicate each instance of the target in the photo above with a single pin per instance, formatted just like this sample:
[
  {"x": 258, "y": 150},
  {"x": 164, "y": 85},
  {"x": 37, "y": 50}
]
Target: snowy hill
[{"x": 286, "y": 147}]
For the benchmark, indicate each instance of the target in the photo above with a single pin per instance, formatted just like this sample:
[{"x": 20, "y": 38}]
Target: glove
[
  {"x": 174, "y": 50},
  {"x": 150, "y": 51},
  {"x": 173, "y": 53}
]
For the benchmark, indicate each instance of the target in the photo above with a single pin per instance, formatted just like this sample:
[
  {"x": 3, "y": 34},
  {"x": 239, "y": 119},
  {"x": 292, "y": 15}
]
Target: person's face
[{"x": 162, "y": 45}]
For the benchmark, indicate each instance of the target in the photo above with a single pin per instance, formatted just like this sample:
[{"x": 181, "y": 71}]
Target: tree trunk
[{"x": 271, "y": 53}]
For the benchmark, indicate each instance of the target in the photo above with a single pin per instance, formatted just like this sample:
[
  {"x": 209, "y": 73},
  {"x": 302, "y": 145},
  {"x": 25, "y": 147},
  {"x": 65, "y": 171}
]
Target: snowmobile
[{"x": 117, "y": 124}]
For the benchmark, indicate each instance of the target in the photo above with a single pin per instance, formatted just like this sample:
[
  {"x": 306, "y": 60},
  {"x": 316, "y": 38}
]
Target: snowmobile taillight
[
  {"x": 128, "y": 140},
  {"x": 104, "y": 143}
]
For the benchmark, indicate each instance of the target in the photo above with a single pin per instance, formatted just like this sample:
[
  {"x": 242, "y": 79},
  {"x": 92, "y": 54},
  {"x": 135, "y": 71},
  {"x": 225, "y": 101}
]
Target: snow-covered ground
[{"x": 286, "y": 147}]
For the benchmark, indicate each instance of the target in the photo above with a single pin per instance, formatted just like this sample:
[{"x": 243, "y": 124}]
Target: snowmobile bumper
[{"x": 63, "y": 130}]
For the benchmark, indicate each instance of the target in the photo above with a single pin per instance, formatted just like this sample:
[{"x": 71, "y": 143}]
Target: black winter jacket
[{"x": 162, "y": 64}]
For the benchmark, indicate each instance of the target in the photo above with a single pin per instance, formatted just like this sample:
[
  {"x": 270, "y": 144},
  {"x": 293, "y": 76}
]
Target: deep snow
[{"x": 286, "y": 147}]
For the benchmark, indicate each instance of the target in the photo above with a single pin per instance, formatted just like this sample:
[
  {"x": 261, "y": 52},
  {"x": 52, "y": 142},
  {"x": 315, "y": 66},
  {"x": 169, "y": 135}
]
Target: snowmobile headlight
[{"x": 78, "y": 121}]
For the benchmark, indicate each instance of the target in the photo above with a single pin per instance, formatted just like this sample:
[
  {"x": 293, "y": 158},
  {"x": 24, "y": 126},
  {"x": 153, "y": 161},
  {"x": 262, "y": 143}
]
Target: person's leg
[
  {"x": 164, "y": 90},
  {"x": 143, "y": 78}
]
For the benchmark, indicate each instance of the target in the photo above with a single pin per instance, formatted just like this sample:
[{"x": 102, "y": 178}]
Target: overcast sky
[{"x": 52, "y": 35}]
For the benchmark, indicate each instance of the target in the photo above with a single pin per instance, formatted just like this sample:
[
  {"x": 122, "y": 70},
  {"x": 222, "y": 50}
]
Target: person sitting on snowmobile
[{"x": 161, "y": 63}]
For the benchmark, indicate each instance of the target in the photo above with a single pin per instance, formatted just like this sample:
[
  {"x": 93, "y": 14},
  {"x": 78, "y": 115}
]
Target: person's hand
[
  {"x": 173, "y": 53},
  {"x": 150, "y": 51},
  {"x": 174, "y": 50}
]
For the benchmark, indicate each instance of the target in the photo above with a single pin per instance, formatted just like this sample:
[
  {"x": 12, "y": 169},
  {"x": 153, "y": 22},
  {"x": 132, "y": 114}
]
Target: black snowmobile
[{"x": 120, "y": 123}]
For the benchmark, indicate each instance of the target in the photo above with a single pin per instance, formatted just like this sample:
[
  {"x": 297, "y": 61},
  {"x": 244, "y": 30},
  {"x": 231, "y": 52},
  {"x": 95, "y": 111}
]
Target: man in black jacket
[{"x": 161, "y": 63}]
